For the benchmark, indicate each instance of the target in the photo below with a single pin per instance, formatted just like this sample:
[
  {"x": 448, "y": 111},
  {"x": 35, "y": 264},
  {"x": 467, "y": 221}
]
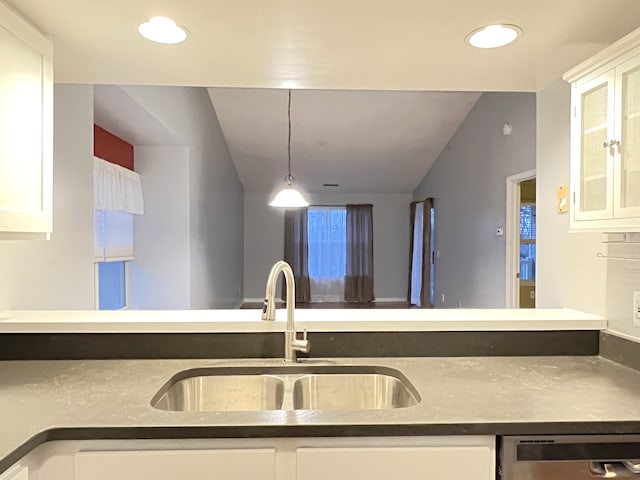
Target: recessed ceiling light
[
  {"x": 162, "y": 30},
  {"x": 493, "y": 36}
]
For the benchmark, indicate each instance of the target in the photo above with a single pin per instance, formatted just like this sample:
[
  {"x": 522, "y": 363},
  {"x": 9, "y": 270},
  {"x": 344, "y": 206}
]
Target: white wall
[
  {"x": 215, "y": 193},
  {"x": 159, "y": 275},
  {"x": 59, "y": 274},
  {"x": 264, "y": 239},
  {"x": 623, "y": 278},
  {"x": 568, "y": 272},
  {"x": 468, "y": 182}
]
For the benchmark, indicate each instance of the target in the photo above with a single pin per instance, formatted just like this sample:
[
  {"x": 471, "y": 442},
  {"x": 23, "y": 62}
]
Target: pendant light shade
[{"x": 289, "y": 197}]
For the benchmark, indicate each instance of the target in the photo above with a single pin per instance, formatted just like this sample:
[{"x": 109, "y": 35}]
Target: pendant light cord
[{"x": 289, "y": 179}]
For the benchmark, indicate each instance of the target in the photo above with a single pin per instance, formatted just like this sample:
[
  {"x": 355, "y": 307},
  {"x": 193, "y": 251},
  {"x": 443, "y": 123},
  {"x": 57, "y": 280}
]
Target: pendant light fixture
[{"x": 289, "y": 197}]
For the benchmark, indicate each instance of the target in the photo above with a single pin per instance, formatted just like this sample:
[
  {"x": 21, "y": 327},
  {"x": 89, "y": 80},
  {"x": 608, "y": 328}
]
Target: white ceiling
[
  {"x": 380, "y": 142},
  {"x": 328, "y": 44},
  {"x": 373, "y": 140}
]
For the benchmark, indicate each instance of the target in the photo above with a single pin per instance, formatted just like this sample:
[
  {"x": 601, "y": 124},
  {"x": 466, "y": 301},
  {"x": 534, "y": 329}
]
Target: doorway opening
[{"x": 521, "y": 241}]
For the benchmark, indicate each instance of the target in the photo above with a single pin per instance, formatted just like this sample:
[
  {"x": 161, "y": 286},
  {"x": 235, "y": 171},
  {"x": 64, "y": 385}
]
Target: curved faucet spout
[{"x": 291, "y": 343}]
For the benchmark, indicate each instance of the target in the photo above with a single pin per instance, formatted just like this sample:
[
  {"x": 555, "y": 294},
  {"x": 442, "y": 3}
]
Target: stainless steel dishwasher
[{"x": 577, "y": 457}]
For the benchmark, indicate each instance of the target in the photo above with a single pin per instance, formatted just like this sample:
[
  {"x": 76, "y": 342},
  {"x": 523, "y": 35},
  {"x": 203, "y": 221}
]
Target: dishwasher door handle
[
  {"x": 632, "y": 465},
  {"x": 603, "y": 470},
  {"x": 623, "y": 469}
]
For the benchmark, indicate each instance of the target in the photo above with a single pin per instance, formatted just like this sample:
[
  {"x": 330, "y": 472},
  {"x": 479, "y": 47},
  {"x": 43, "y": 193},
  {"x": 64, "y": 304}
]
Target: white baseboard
[
  {"x": 390, "y": 299},
  {"x": 378, "y": 300}
]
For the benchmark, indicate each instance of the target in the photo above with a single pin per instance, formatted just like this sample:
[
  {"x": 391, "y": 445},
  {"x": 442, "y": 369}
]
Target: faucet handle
[
  {"x": 265, "y": 310},
  {"x": 301, "y": 345}
]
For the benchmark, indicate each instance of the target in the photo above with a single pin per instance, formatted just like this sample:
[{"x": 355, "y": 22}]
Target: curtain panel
[
  {"x": 425, "y": 291},
  {"x": 296, "y": 252},
  {"x": 420, "y": 254},
  {"x": 358, "y": 285},
  {"x": 116, "y": 188}
]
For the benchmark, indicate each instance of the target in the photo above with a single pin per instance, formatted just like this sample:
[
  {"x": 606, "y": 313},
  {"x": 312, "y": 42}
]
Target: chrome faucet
[{"x": 292, "y": 343}]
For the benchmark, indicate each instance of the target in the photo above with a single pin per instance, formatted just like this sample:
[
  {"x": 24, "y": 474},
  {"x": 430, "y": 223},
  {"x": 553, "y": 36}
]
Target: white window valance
[{"x": 116, "y": 189}]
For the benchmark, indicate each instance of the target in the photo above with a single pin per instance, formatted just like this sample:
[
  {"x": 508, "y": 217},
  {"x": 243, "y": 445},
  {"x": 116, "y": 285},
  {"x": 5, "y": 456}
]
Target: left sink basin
[{"x": 202, "y": 391}]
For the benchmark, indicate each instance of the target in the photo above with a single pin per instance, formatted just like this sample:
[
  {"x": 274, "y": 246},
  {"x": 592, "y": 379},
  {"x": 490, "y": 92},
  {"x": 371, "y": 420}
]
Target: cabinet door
[
  {"x": 592, "y": 158},
  {"x": 26, "y": 127},
  {"x": 627, "y": 171},
  {"x": 391, "y": 463},
  {"x": 224, "y": 464},
  {"x": 16, "y": 473}
]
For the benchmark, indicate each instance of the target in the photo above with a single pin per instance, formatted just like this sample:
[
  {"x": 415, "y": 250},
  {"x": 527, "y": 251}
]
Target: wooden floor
[{"x": 338, "y": 305}]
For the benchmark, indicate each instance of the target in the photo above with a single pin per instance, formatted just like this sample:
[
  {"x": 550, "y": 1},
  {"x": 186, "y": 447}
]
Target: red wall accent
[{"x": 111, "y": 148}]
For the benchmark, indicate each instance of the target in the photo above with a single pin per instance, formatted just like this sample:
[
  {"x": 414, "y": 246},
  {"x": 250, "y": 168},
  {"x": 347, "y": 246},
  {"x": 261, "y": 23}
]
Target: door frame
[{"x": 512, "y": 232}]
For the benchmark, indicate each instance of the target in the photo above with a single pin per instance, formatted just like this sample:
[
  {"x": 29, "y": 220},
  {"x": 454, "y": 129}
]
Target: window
[
  {"x": 113, "y": 248},
  {"x": 327, "y": 252},
  {"x": 527, "y": 242},
  {"x": 416, "y": 261},
  {"x": 112, "y": 285},
  {"x": 117, "y": 195}
]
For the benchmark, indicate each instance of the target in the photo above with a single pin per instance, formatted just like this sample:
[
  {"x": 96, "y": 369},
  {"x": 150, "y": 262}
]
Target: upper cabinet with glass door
[
  {"x": 26, "y": 128},
  {"x": 605, "y": 139}
]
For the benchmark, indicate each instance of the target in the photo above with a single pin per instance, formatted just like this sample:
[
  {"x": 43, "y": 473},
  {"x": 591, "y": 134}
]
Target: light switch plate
[{"x": 562, "y": 199}]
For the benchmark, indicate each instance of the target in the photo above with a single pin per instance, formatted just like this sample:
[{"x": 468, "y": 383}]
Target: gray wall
[
  {"x": 264, "y": 240},
  {"x": 215, "y": 193},
  {"x": 468, "y": 182},
  {"x": 160, "y": 277},
  {"x": 59, "y": 274},
  {"x": 568, "y": 272}
]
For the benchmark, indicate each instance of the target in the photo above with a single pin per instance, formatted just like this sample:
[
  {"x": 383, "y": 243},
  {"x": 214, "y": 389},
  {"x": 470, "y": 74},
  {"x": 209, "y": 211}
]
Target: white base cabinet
[
  {"x": 389, "y": 463},
  {"x": 233, "y": 463},
  {"x": 17, "y": 472},
  {"x": 343, "y": 458}
]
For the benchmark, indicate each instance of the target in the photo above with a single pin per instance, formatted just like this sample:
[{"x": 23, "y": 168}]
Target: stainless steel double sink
[{"x": 295, "y": 387}]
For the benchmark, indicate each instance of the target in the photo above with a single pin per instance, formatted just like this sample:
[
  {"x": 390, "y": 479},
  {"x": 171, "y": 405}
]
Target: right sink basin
[{"x": 352, "y": 391}]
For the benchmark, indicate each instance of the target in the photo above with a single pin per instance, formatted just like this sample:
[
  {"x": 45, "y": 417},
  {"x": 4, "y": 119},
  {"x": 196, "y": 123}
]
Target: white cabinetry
[
  {"x": 16, "y": 472},
  {"x": 605, "y": 139},
  {"x": 343, "y": 458},
  {"x": 26, "y": 128},
  {"x": 390, "y": 463},
  {"x": 232, "y": 464}
]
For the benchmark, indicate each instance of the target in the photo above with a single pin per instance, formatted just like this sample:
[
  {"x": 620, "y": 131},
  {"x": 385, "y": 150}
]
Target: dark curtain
[
  {"x": 425, "y": 297},
  {"x": 425, "y": 291},
  {"x": 358, "y": 284},
  {"x": 296, "y": 252}
]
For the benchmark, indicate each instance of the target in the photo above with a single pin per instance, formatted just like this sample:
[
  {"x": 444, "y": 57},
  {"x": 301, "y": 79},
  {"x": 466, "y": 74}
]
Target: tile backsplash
[{"x": 623, "y": 278}]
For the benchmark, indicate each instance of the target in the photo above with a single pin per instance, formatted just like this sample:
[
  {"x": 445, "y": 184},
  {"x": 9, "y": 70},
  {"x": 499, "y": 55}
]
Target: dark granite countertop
[{"x": 55, "y": 400}]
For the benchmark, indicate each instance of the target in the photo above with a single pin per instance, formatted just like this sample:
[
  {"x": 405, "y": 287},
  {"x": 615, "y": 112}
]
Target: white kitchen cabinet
[
  {"x": 335, "y": 458},
  {"x": 390, "y": 463},
  {"x": 26, "y": 128},
  {"x": 219, "y": 464},
  {"x": 605, "y": 139},
  {"x": 16, "y": 472}
]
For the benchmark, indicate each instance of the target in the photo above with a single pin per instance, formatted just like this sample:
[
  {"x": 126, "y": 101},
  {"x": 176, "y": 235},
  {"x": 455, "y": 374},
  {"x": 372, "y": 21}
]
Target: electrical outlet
[{"x": 636, "y": 309}]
